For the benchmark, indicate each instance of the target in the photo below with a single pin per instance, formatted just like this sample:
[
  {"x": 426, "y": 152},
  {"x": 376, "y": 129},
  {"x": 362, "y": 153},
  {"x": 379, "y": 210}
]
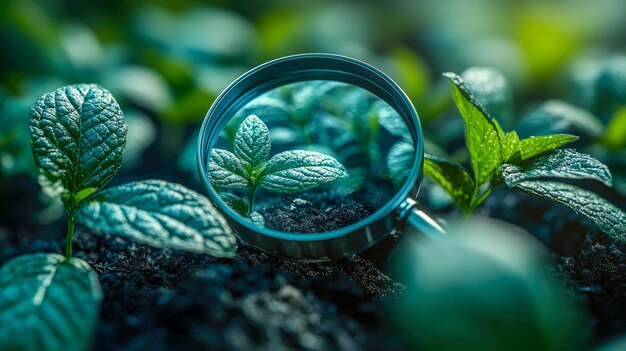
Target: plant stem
[
  {"x": 71, "y": 221},
  {"x": 250, "y": 199},
  {"x": 482, "y": 198}
]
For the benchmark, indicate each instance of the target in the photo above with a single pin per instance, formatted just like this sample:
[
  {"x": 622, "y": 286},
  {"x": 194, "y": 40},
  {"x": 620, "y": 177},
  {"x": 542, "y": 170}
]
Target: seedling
[
  {"x": 249, "y": 166},
  {"x": 295, "y": 103},
  {"x": 501, "y": 159},
  {"x": 78, "y": 135}
]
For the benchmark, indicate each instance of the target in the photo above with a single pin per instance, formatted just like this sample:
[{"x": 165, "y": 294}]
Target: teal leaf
[
  {"x": 400, "y": 161},
  {"x": 555, "y": 116},
  {"x": 226, "y": 170},
  {"x": 391, "y": 120},
  {"x": 452, "y": 177},
  {"x": 267, "y": 106},
  {"x": 533, "y": 146},
  {"x": 298, "y": 170},
  {"x": 562, "y": 163},
  {"x": 305, "y": 96},
  {"x": 493, "y": 90},
  {"x": 160, "y": 214},
  {"x": 609, "y": 218},
  {"x": 48, "y": 303},
  {"x": 78, "y": 137},
  {"x": 253, "y": 141},
  {"x": 483, "y": 134},
  {"x": 257, "y": 219},
  {"x": 235, "y": 202}
]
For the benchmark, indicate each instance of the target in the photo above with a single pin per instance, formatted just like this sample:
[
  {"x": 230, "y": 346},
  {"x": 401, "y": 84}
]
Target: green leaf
[
  {"x": 252, "y": 141},
  {"x": 483, "y": 134},
  {"x": 78, "y": 137},
  {"x": 452, "y": 177},
  {"x": 615, "y": 137},
  {"x": 510, "y": 146},
  {"x": 533, "y": 146},
  {"x": 226, "y": 170},
  {"x": 400, "y": 161},
  {"x": 160, "y": 214},
  {"x": 83, "y": 194},
  {"x": 493, "y": 90},
  {"x": 555, "y": 116},
  {"x": 562, "y": 163},
  {"x": 48, "y": 303},
  {"x": 298, "y": 170},
  {"x": 610, "y": 219},
  {"x": 233, "y": 201}
]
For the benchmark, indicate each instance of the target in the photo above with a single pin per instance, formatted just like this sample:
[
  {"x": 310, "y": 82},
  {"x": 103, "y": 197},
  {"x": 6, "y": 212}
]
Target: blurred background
[{"x": 165, "y": 62}]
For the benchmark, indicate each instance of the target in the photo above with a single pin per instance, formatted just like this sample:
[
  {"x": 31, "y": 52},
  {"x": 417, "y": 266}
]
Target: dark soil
[
  {"x": 162, "y": 299},
  {"x": 313, "y": 214},
  {"x": 594, "y": 266}
]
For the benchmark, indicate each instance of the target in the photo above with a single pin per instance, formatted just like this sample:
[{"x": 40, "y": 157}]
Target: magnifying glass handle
[{"x": 418, "y": 222}]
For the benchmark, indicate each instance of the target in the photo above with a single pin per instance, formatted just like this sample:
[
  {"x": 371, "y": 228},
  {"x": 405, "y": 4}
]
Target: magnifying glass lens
[{"x": 311, "y": 157}]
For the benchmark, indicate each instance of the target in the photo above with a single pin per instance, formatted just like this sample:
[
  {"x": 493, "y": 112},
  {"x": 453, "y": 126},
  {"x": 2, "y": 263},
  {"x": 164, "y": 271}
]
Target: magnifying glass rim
[{"x": 412, "y": 179}]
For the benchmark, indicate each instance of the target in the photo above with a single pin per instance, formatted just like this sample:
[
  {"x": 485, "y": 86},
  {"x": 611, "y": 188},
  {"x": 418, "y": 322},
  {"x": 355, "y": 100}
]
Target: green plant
[
  {"x": 295, "y": 103},
  {"x": 484, "y": 275},
  {"x": 78, "y": 135},
  {"x": 501, "y": 159},
  {"x": 251, "y": 167}
]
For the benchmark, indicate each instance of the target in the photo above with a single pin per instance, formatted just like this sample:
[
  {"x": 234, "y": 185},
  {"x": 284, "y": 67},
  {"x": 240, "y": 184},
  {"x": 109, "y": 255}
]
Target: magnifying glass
[{"x": 313, "y": 157}]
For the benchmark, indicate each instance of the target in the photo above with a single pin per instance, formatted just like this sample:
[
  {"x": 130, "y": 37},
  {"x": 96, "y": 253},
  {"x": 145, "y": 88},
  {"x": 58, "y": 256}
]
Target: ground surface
[{"x": 161, "y": 299}]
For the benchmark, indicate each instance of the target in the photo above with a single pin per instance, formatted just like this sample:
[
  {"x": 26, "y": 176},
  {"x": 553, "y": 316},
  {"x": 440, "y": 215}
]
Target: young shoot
[
  {"x": 250, "y": 167},
  {"x": 501, "y": 159}
]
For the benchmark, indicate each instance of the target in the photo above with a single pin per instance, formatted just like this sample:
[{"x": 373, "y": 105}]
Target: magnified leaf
[
  {"x": 78, "y": 136},
  {"x": 533, "y": 146},
  {"x": 483, "y": 134},
  {"x": 563, "y": 163},
  {"x": 226, "y": 170},
  {"x": 267, "y": 106},
  {"x": 48, "y": 303},
  {"x": 235, "y": 202},
  {"x": 610, "y": 219},
  {"x": 297, "y": 170},
  {"x": 241, "y": 206},
  {"x": 452, "y": 177},
  {"x": 391, "y": 120},
  {"x": 160, "y": 214},
  {"x": 257, "y": 219},
  {"x": 253, "y": 141},
  {"x": 400, "y": 161}
]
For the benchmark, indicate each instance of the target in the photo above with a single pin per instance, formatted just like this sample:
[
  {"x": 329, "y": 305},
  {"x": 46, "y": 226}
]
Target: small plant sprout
[
  {"x": 501, "y": 159},
  {"x": 295, "y": 103},
  {"x": 78, "y": 136},
  {"x": 249, "y": 166}
]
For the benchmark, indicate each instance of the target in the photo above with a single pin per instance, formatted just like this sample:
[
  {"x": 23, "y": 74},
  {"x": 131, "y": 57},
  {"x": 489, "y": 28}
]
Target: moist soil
[
  {"x": 587, "y": 260},
  {"x": 313, "y": 213},
  {"x": 163, "y": 299}
]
